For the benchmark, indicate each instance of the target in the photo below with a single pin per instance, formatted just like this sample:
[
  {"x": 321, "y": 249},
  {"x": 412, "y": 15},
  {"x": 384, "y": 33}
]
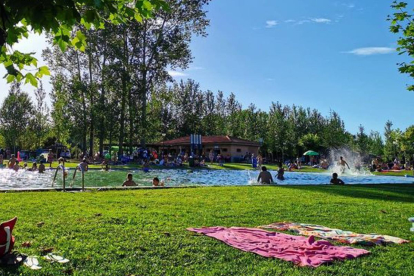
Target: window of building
[
  {"x": 238, "y": 150},
  {"x": 224, "y": 150}
]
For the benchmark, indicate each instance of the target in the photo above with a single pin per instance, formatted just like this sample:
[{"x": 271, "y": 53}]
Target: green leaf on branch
[{"x": 30, "y": 78}]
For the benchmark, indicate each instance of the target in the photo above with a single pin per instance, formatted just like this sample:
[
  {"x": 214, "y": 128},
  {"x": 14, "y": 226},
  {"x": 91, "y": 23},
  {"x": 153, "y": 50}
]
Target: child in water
[
  {"x": 129, "y": 181},
  {"x": 156, "y": 182},
  {"x": 335, "y": 180}
]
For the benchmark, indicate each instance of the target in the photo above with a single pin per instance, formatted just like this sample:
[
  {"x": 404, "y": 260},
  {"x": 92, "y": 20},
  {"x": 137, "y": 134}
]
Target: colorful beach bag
[{"x": 6, "y": 237}]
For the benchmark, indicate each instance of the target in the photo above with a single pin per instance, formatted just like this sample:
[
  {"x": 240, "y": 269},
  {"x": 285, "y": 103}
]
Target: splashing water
[
  {"x": 251, "y": 179},
  {"x": 354, "y": 160}
]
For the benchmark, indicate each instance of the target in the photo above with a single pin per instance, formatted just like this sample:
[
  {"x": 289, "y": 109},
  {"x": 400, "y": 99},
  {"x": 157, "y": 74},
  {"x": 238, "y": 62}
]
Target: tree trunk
[
  {"x": 92, "y": 107},
  {"x": 84, "y": 126},
  {"x": 144, "y": 109},
  {"x": 122, "y": 119},
  {"x": 131, "y": 120}
]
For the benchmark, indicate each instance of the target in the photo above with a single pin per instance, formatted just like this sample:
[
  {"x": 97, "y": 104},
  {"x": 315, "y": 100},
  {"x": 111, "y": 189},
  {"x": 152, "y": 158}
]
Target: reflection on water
[{"x": 10, "y": 179}]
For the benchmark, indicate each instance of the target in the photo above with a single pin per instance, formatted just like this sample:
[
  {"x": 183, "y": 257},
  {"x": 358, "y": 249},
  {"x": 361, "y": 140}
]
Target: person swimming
[
  {"x": 156, "y": 182},
  {"x": 34, "y": 167},
  {"x": 335, "y": 180}
]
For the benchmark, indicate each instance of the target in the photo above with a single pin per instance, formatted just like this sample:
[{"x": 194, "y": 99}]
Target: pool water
[{"x": 174, "y": 177}]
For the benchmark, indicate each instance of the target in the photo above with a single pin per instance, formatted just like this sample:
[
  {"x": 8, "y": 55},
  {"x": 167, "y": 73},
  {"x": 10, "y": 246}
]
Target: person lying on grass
[
  {"x": 129, "y": 181},
  {"x": 335, "y": 180}
]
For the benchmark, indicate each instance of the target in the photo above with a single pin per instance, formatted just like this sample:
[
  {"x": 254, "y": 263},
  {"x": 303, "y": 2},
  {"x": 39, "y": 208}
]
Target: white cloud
[
  {"x": 290, "y": 21},
  {"x": 368, "y": 51},
  {"x": 349, "y": 5},
  {"x": 321, "y": 20},
  {"x": 176, "y": 74},
  {"x": 271, "y": 23},
  {"x": 195, "y": 68},
  {"x": 300, "y": 22}
]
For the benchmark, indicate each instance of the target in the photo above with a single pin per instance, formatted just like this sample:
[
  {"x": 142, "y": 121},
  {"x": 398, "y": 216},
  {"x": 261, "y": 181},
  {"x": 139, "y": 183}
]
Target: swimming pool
[{"x": 174, "y": 177}]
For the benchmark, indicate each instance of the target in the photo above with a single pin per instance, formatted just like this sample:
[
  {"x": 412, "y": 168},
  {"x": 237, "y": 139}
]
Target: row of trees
[
  {"x": 182, "y": 109},
  {"x": 111, "y": 88}
]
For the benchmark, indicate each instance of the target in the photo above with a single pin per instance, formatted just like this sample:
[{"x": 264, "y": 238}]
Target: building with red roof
[{"x": 227, "y": 146}]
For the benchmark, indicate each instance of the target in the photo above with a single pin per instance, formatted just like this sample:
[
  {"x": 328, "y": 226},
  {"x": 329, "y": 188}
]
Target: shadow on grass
[{"x": 386, "y": 192}]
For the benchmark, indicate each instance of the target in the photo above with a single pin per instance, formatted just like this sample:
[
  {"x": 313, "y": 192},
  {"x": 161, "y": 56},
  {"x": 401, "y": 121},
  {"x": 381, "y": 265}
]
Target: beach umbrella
[{"x": 311, "y": 153}]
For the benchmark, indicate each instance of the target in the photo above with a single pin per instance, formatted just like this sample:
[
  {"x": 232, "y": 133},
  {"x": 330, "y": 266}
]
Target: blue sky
[
  {"x": 328, "y": 55},
  {"x": 308, "y": 53}
]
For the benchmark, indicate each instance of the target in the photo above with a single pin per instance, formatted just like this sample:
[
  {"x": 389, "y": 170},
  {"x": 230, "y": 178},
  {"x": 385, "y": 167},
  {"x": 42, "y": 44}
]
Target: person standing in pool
[
  {"x": 42, "y": 167},
  {"x": 12, "y": 162},
  {"x": 335, "y": 180},
  {"x": 129, "y": 181},
  {"x": 264, "y": 176},
  {"x": 50, "y": 158},
  {"x": 84, "y": 165},
  {"x": 280, "y": 172},
  {"x": 342, "y": 164}
]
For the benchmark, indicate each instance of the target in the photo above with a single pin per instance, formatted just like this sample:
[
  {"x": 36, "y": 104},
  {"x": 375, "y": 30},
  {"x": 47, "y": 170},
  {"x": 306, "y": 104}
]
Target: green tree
[
  {"x": 59, "y": 18},
  {"x": 15, "y": 115},
  {"x": 39, "y": 123},
  {"x": 376, "y": 144},
  {"x": 402, "y": 23},
  {"x": 362, "y": 141}
]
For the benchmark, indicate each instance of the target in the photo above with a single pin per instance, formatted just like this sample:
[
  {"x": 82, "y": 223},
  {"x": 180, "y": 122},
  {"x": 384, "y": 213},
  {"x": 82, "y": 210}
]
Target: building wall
[{"x": 232, "y": 150}]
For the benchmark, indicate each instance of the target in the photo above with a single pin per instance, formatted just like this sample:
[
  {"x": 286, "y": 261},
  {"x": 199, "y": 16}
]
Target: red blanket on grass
[{"x": 303, "y": 251}]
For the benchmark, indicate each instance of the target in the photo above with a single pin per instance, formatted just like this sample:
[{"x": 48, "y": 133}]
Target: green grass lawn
[{"x": 142, "y": 232}]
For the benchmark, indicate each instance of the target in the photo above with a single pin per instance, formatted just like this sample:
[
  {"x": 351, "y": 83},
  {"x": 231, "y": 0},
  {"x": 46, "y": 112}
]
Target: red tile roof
[{"x": 209, "y": 140}]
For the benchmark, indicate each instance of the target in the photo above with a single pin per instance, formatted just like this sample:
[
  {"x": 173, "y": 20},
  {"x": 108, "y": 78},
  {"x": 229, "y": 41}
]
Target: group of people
[
  {"x": 13, "y": 164},
  {"x": 265, "y": 177},
  {"x": 129, "y": 182}
]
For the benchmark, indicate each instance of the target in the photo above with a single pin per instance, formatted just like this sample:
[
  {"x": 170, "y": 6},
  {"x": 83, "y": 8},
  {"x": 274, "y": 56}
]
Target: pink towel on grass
[{"x": 303, "y": 251}]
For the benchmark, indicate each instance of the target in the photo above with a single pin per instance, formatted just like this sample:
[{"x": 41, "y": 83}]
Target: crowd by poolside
[{"x": 149, "y": 158}]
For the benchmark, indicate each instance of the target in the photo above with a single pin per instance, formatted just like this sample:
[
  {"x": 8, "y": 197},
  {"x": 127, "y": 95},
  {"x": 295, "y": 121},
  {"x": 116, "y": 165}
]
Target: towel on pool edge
[
  {"x": 334, "y": 234},
  {"x": 303, "y": 251}
]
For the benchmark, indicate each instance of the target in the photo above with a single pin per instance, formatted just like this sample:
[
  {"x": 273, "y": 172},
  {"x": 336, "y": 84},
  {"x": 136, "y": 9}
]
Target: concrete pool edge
[{"x": 103, "y": 189}]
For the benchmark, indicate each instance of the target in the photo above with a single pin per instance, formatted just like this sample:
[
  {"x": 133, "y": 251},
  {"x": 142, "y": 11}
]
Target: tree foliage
[
  {"x": 15, "y": 116},
  {"x": 18, "y": 17},
  {"x": 402, "y": 23}
]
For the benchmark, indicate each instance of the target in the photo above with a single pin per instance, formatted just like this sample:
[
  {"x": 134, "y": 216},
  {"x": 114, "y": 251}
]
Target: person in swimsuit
[
  {"x": 342, "y": 163},
  {"x": 335, "y": 180},
  {"x": 129, "y": 181},
  {"x": 264, "y": 176},
  {"x": 280, "y": 172},
  {"x": 50, "y": 158},
  {"x": 12, "y": 162}
]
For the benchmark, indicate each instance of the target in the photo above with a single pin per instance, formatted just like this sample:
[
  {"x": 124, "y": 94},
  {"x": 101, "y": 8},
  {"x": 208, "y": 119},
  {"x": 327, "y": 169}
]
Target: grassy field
[{"x": 142, "y": 232}]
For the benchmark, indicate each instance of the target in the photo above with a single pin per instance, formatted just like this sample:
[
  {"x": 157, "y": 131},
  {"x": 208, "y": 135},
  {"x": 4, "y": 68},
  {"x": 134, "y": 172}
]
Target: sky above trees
[{"x": 321, "y": 54}]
